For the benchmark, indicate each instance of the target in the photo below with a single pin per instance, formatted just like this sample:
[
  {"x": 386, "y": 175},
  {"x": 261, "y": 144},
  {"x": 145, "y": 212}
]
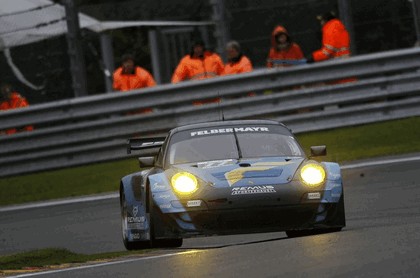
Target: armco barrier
[
  {"x": 93, "y": 129},
  {"x": 108, "y": 104}
]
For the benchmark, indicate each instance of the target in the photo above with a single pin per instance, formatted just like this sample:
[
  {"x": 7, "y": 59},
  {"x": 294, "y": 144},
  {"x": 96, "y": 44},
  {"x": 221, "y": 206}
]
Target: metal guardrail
[{"x": 94, "y": 129}]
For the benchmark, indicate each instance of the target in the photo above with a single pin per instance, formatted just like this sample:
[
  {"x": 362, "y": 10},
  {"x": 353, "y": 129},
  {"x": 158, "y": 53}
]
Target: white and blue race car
[{"x": 228, "y": 177}]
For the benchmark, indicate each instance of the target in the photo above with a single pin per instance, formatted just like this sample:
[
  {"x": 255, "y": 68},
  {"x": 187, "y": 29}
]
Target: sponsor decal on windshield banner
[
  {"x": 243, "y": 190},
  {"x": 229, "y": 130}
]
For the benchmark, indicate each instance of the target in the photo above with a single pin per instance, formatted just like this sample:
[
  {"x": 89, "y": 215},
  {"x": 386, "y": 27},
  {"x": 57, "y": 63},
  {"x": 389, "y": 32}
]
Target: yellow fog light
[
  {"x": 312, "y": 174},
  {"x": 184, "y": 183}
]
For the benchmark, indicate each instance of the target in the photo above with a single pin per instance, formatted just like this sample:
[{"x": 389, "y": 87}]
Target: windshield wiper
[{"x": 237, "y": 144}]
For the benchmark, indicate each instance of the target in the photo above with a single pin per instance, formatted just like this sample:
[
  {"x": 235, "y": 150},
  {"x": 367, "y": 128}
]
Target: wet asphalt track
[{"x": 382, "y": 237}]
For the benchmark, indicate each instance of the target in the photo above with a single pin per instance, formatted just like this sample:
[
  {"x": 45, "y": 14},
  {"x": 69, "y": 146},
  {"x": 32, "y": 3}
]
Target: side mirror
[
  {"x": 318, "y": 151},
  {"x": 147, "y": 161}
]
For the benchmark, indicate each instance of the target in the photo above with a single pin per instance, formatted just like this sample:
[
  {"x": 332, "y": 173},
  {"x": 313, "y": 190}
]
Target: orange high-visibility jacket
[
  {"x": 335, "y": 41},
  {"x": 279, "y": 58},
  {"x": 125, "y": 82},
  {"x": 15, "y": 101},
  {"x": 243, "y": 65},
  {"x": 190, "y": 68}
]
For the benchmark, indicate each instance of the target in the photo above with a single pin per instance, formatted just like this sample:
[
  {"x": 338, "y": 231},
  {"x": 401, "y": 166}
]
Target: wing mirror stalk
[
  {"x": 318, "y": 151},
  {"x": 146, "y": 161}
]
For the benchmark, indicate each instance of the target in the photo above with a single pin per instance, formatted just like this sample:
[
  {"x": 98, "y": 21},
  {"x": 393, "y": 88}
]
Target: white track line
[
  {"x": 379, "y": 162},
  {"x": 60, "y": 202},
  {"x": 107, "y": 264},
  {"x": 115, "y": 195}
]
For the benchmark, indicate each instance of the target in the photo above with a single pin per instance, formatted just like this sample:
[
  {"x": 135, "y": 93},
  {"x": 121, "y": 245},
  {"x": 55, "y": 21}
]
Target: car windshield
[{"x": 231, "y": 143}]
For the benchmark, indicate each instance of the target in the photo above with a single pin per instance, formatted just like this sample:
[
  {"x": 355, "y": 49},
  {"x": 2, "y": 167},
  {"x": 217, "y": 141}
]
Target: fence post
[
  {"x": 222, "y": 31},
  {"x": 77, "y": 62},
  {"x": 108, "y": 59}
]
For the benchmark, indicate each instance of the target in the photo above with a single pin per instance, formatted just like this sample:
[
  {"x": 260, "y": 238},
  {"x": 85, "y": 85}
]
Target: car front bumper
[{"x": 249, "y": 220}]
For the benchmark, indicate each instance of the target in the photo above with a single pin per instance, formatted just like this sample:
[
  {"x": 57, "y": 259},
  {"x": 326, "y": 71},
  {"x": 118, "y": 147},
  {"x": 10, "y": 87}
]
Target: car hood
[{"x": 244, "y": 172}]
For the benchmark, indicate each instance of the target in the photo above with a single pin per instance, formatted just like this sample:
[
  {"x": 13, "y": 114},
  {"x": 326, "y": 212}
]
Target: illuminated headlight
[
  {"x": 312, "y": 174},
  {"x": 184, "y": 183}
]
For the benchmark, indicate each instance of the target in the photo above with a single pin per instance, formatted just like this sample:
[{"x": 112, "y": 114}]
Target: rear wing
[{"x": 136, "y": 144}]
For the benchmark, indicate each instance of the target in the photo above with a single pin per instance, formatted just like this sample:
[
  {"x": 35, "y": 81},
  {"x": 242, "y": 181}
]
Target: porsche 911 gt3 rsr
[{"x": 228, "y": 177}]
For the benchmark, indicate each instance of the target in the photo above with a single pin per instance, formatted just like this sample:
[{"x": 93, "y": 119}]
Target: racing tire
[
  {"x": 129, "y": 245},
  {"x": 139, "y": 245},
  {"x": 162, "y": 242},
  {"x": 341, "y": 214},
  {"x": 338, "y": 219},
  {"x": 168, "y": 242}
]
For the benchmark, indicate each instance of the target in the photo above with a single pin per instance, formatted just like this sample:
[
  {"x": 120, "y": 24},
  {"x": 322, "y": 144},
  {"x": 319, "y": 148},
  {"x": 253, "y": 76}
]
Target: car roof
[{"x": 227, "y": 123}]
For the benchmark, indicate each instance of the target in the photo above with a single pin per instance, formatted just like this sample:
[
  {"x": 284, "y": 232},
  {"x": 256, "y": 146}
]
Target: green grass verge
[
  {"x": 343, "y": 144},
  {"x": 367, "y": 141},
  {"x": 70, "y": 182},
  {"x": 53, "y": 256}
]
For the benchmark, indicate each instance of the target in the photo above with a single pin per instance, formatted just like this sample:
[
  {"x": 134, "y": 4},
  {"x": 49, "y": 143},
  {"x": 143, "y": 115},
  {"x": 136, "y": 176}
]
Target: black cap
[
  {"x": 197, "y": 42},
  {"x": 326, "y": 16},
  {"x": 127, "y": 57}
]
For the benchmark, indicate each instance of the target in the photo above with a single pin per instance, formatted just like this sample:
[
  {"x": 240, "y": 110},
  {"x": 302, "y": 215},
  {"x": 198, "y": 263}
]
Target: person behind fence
[
  {"x": 199, "y": 64},
  {"x": 10, "y": 99},
  {"x": 129, "y": 76},
  {"x": 335, "y": 42},
  {"x": 283, "y": 52},
  {"x": 237, "y": 62},
  {"x": 335, "y": 39}
]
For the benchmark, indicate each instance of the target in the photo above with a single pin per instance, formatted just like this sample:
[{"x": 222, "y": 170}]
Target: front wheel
[
  {"x": 337, "y": 221},
  {"x": 168, "y": 242},
  {"x": 162, "y": 242}
]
